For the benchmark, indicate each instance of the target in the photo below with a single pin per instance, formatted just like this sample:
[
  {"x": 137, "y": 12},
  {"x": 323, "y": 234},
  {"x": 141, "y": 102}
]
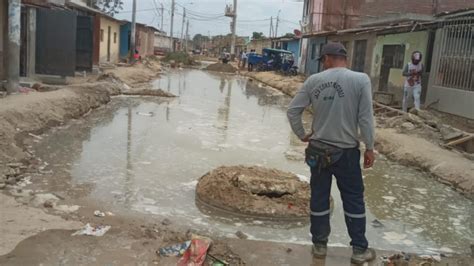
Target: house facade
[
  {"x": 392, "y": 51},
  {"x": 451, "y": 81},
  {"x": 109, "y": 51}
]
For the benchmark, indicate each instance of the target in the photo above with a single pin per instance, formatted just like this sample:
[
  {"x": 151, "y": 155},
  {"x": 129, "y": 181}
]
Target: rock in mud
[
  {"x": 254, "y": 191},
  {"x": 166, "y": 222},
  {"x": 449, "y": 133},
  {"x": 41, "y": 199},
  {"x": 219, "y": 67},
  {"x": 408, "y": 126}
]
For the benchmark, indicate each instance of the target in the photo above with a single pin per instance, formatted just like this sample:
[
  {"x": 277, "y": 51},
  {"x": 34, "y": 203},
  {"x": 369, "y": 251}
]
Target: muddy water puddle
[{"x": 146, "y": 154}]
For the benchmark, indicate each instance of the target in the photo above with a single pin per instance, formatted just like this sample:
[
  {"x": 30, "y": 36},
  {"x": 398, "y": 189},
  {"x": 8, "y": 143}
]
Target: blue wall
[
  {"x": 294, "y": 47},
  {"x": 125, "y": 31},
  {"x": 312, "y": 54}
]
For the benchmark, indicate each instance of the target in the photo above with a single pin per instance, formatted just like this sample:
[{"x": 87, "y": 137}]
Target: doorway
[
  {"x": 109, "y": 30},
  {"x": 358, "y": 61},
  {"x": 392, "y": 57}
]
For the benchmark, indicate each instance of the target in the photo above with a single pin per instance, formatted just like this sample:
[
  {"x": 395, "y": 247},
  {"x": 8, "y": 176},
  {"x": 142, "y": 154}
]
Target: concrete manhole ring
[{"x": 256, "y": 192}]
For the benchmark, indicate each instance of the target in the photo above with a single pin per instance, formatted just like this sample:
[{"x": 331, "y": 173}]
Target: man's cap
[{"x": 333, "y": 48}]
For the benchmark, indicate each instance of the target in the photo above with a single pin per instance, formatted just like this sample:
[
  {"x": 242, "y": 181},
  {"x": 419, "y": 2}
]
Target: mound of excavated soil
[
  {"x": 255, "y": 191},
  {"x": 219, "y": 67}
]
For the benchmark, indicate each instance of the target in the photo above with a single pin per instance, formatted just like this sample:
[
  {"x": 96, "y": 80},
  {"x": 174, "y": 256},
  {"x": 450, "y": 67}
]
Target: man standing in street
[
  {"x": 341, "y": 101},
  {"x": 412, "y": 88},
  {"x": 244, "y": 58}
]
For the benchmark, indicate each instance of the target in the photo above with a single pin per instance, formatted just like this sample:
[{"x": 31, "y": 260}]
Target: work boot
[
  {"x": 319, "y": 251},
  {"x": 359, "y": 256}
]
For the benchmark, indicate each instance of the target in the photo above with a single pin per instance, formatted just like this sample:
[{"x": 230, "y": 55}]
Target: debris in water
[
  {"x": 166, "y": 222},
  {"x": 88, "y": 230},
  {"x": 109, "y": 214},
  {"x": 35, "y": 136},
  {"x": 174, "y": 250},
  {"x": 99, "y": 213},
  {"x": 146, "y": 114},
  {"x": 195, "y": 255},
  {"x": 431, "y": 258},
  {"x": 241, "y": 235},
  {"x": 289, "y": 250},
  {"x": 377, "y": 224}
]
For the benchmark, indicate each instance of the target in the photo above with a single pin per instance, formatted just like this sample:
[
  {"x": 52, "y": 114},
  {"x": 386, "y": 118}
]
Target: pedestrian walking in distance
[
  {"x": 341, "y": 101},
  {"x": 412, "y": 88}
]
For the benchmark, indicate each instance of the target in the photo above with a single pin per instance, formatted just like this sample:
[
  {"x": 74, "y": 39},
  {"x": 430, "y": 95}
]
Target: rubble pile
[
  {"x": 219, "y": 67},
  {"x": 255, "y": 191}
]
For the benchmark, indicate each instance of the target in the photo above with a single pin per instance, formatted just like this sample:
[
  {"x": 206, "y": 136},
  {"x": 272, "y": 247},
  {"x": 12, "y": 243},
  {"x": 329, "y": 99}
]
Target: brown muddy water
[{"x": 145, "y": 155}]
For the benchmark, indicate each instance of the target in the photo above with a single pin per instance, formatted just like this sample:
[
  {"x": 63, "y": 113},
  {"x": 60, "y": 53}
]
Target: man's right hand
[
  {"x": 307, "y": 138},
  {"x": 369, "y": 159}
]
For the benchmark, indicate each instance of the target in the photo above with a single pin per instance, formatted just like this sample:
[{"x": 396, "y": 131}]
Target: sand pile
[{"x": 219, "y": 67}]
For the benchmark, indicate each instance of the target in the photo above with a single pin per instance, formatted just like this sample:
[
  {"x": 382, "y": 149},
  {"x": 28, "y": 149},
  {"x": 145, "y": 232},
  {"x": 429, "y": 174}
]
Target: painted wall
[
  {"x": 303, "y": 55},
  {"x": 349, "y": 40},
  {"x": 294, "y": 47},
  {"x": 125, "y": 31},
  {"x": 162, "y": 42},
  {"x": 313, "y": 52},
  {"x": 3, "y": 25},
  {"x": 413, "y": 41},
  {"x": 105, "y": 23}
]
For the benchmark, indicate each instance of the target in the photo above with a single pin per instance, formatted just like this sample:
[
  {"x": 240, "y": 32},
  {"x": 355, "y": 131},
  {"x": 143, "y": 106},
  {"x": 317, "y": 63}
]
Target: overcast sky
[{"x": 207, "y": 15}]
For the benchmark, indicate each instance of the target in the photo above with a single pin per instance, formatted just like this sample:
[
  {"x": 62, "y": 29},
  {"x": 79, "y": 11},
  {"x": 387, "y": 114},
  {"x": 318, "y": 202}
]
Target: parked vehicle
[
  {"x": 270, "y": 60},
  {"x": 288, "y": 66}
]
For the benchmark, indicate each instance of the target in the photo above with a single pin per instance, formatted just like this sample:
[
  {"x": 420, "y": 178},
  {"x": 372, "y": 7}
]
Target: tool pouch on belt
[{"x": 321, "y": 155}]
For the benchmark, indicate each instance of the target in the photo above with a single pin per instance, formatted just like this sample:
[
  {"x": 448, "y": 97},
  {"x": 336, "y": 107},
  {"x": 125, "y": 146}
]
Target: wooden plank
[{"x": 461, "y": 140}]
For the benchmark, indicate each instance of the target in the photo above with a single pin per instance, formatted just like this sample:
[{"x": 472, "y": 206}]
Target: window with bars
[{"x": 455, "y": 65}]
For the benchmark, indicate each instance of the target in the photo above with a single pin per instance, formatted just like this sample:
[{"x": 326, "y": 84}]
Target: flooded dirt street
[{"x": 145, "y": 155}]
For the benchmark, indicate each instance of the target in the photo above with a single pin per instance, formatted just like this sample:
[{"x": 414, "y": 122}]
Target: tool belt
[{"x": 321, "y": 155}]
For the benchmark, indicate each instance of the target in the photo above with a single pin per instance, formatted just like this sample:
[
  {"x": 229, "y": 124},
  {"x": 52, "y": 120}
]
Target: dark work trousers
[{"x": 351, "y": 186}]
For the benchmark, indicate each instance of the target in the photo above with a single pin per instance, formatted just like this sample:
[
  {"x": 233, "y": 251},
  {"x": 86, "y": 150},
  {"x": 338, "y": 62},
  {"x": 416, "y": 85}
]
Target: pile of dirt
[
  {"x": 219, "y": 67},
  {"x": 255, "y": 191},
  {"x": 179, "y": 58}
]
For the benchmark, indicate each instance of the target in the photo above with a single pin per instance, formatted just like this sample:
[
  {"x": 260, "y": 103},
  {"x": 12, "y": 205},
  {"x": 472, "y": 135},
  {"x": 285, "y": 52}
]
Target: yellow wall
[{"x": 105, "y": 23}]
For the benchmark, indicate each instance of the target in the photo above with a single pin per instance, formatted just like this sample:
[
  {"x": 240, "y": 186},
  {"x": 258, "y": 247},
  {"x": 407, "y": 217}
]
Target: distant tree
[
  {"x": 257, "y": 35},
  {"x": 289, "y": 35},
  {"x": 199, "y": 40},
  {"x": 110, "y": 7}
]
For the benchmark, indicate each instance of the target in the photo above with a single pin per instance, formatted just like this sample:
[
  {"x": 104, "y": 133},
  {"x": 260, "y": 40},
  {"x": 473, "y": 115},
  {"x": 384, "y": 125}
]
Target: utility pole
[
  {"x": 171, "y": 30},
  {"x": 186, "y": 37},
  {"x": 133, "y": 46},
  {"x": 276, "y": 27},
  {"x": 182, "y": 28},
  {"x": 234, "y": 27},
  {"x": 14, "y": 29},
  {"x": 271, "y": 27},
  {"x": 162, "y": 9}
]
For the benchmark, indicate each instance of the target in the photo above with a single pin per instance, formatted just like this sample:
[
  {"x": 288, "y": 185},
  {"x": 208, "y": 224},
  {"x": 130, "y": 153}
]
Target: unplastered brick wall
[{"x": 379, "y": 8}]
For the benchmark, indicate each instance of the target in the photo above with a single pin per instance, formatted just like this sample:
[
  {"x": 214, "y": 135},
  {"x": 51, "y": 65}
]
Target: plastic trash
[
  {"x": 99, "y": 214},
  {"x": 88, "y": 230},
  {"x": 174, "y": 250},
  {"x": 195, "y": 255},
  {"x": 146, "y": 114}
]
